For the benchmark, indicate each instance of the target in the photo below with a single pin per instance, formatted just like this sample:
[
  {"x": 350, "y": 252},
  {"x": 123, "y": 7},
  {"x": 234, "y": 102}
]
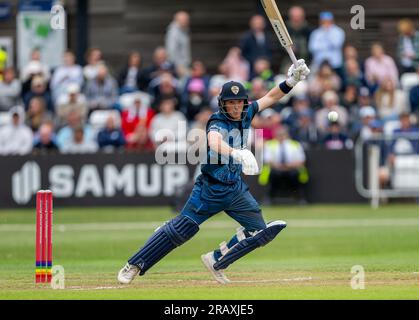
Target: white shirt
[
  {"x": 292, "y": 149},
  {"x": 15, "y": 140},
  {"x": 63, "y": 77},
  {"x": 165, "y": 125}
]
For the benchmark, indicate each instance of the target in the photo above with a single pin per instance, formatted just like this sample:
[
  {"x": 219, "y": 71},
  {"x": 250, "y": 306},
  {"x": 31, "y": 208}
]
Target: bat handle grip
[{"x": 292, "y": 55}]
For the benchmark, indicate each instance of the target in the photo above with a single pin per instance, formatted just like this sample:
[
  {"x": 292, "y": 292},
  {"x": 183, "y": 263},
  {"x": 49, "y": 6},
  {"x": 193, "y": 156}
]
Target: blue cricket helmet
[{"x": 232, "y": 90}]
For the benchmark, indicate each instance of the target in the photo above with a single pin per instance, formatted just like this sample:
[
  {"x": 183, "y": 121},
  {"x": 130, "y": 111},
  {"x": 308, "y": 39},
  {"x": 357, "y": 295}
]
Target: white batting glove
[
  {"x": 296, "y": 74},
  {"x": 248, "y": 161}
]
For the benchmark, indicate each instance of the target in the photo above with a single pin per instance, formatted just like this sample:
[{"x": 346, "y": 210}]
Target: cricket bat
[{"x": 279, "y": 27}]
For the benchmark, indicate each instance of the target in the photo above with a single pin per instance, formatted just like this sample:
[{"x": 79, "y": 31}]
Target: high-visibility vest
[
  {"x": 273, "y": 146},
  {"x": 3, "y": 62}
]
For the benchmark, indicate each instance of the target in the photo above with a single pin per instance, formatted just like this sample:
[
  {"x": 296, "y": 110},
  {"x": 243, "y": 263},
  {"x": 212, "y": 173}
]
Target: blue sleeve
[
  {"x": 217, "y": 125},
  {"x": 253, "y": 109}
]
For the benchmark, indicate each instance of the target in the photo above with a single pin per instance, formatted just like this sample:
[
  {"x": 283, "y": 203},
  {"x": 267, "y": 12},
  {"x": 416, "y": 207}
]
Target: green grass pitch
[{"x": 310, "y": 259}]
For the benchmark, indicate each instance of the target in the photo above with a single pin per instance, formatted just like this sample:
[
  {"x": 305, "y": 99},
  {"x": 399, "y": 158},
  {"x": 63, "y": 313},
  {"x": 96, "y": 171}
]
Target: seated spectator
[
  {"x": 406, "y": 138},
  {"x": 268, "y": 120},
  {"x": 380, "y": 66},
  {"x": 216, "y": 84},
  {"x": 405, "y": 125},
  {"x": 111, "y": 136},
  {"x": 74, "y": 120},
  {"x": 35, "y": 66},
  {"x": 10, "y": 89},
  {"x": 364, "y": 97},
  {"x": 166, "y": 126},
  {"x": 305, "y": 131},
  {"x": 196, "y": 99},
  {"x": 39, "y": 89},
  {"x": 137, "y": 113},
  {"x": 300, "y": 103},
  {"x": 237, "y": 67},
  {"x": 37, "y": 113},
  {"x": 262, "y": 69},
  {"x": 351, "y": 53},
  {"x": 130, "y": 77},
  {"x": 367, "y": 115},
  {"x": 353, "y": 73},
  {"x": 160, "y": 65},
  {"x": 284, "y": 165},
  {"x": 94, "y": 60},
  {"x": 16, "y": 138},
  {"x": 335, "y": 139},
  {"x": 65, "y": 75},
  {"x": 330, "y": 103},
  {"x": 198, "y": 72},
  {"x": 349, "y": 98},
  {"x": 35, "y": 71},
  {"x": 408, "y": 47},
  {"x": 44, "y": 143},
  {"x": 102, "y": 91},
  {"x": 164, "y": 87},
  {"x": 390, "y": 101},
  {"x": 72, "y": 100},
  {"x": 258, "y": 89},
  {"x": 79, "y": 143},
  {"x": 139, "y": 140},
  {"x": 325, "y": 79}
]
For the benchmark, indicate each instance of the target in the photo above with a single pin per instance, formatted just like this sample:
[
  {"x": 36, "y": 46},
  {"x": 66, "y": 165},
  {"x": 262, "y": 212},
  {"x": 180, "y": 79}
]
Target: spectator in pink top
[
  {"x": 380, "y": 66},
  {"x": 237, "y": 67}
]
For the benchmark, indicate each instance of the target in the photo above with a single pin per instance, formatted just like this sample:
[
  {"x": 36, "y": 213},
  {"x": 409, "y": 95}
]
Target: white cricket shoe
[
  {"x": 128, "y": 273},
  {"x": 209, "y": 261}
]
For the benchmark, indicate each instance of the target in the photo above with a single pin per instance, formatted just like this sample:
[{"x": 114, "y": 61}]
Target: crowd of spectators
[{"x": 83, "y": 109}]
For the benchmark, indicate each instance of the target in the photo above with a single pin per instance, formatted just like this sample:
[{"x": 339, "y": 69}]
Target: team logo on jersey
[{"x": 235, "y": 89}]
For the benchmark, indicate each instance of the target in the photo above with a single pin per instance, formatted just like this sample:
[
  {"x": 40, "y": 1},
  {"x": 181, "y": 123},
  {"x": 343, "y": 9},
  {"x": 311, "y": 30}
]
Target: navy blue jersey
[{"x": 235, "y": 133}]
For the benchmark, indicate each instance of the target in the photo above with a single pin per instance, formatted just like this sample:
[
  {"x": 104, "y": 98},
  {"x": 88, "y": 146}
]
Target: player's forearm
[
  {"x": 276, "y": 94},
  {"x": 216, "y": 143},
  {"x": 271, "y": 98}
]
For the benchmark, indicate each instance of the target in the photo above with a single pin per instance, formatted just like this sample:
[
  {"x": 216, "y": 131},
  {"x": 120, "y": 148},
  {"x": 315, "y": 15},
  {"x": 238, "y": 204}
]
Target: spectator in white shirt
[
  {"x": 330, "y": 103},
  {"x": 65, "y": 75},
  {"x": 34, "y": 62},
  {"x": 169, "y": 126},
  {"x": 286, "y": 159},
  {"x": 72, "y": 100},
  {"x": 16, "y": 138},
  {"x": 366, "y": 115},
  {"x": 80, "y": 143},
  {"x": 9, "y": 90},
  {"x": 94, "y": 60}
]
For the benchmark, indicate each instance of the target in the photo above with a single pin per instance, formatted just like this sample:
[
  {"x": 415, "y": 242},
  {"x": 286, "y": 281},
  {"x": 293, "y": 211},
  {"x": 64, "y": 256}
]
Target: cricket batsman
[{"x": 220, "y": 187}]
